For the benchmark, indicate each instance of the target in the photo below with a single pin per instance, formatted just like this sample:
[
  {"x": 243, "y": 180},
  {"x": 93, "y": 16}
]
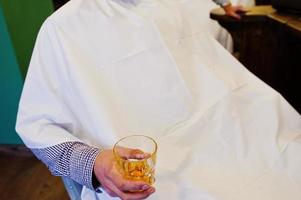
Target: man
[
  {"x": 230, "y": 10},
  {"x": 104, "y": 69}
]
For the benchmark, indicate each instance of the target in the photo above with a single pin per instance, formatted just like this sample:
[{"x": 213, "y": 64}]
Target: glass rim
[{"x": 145, "y": 136}]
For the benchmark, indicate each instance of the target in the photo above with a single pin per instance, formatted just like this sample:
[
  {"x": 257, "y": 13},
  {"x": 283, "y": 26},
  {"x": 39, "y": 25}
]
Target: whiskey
[
  {"x": 138, "y": 170},
  {"x": 135, "y": 158}
]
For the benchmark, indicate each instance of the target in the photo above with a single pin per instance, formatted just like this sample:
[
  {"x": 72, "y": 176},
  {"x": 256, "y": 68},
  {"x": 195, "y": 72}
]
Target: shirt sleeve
[
  {"x": 45, "y": 122},
  {"x": 222, "y": 2},
  {"x": 44, "y": 117},
  {"x": 71, "y": 159}
]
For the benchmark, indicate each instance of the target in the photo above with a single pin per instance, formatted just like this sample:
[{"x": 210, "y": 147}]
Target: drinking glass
[{"x": 135, "y": 157}]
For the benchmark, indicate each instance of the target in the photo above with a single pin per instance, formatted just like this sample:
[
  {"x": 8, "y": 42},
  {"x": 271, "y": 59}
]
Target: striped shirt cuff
[{"x": 71, "y": 159}]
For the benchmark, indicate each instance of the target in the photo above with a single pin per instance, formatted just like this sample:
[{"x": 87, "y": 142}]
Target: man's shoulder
[
  {"x": 68, "y": 10},
  {"x": 74, "y": 10}
]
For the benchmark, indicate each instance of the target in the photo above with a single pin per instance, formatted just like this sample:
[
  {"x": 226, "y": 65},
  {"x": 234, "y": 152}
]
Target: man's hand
[
  {"x": 234, "y": 11},
  {"x": 114, "y": 183}
]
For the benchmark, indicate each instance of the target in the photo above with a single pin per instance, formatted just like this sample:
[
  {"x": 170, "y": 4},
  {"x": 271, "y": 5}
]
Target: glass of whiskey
[{"x": 135, "y": 158}]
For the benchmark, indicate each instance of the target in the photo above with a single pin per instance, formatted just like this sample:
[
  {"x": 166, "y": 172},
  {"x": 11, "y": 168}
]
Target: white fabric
[{"x": 105, "y": 69}]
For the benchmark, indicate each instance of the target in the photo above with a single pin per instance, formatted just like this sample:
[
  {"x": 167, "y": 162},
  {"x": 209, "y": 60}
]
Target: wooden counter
[{"x": 268, "y": 43}]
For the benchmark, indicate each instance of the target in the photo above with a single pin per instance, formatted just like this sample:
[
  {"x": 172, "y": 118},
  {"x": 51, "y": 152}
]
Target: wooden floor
[{"x": 22, "y": 176}]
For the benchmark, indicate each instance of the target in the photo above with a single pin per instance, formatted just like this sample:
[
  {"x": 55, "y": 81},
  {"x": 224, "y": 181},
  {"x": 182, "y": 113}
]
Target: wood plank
[{"x": 25, "y": 177}]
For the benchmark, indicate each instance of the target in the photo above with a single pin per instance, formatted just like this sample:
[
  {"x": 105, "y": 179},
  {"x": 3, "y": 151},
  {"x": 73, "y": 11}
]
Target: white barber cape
[{"x": 104, "y": 69}]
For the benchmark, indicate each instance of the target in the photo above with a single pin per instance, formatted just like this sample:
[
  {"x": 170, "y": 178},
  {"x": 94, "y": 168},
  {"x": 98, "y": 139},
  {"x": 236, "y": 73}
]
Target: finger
[
  {"x": 138, "y": 195},
  {"x": 126, "y": 185},
  {"x": 235, "y": 15},
  {"x": 129, "y": 195},
  {"x": 127, "y": 153},
  {"x": 107, "y": 187},
  {"x": 110, "y": 188},
  {"x": 138, "y": 154}
]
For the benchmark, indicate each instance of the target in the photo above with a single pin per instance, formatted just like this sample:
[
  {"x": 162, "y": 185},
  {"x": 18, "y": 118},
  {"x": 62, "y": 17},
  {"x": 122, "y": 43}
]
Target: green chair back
[{"x": 20, "y": 21}]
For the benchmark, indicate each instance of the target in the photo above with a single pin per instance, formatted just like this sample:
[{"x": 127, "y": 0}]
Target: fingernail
[
  {"x": 145, "y": 187},
  {"x": 152, "y": 190}
]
